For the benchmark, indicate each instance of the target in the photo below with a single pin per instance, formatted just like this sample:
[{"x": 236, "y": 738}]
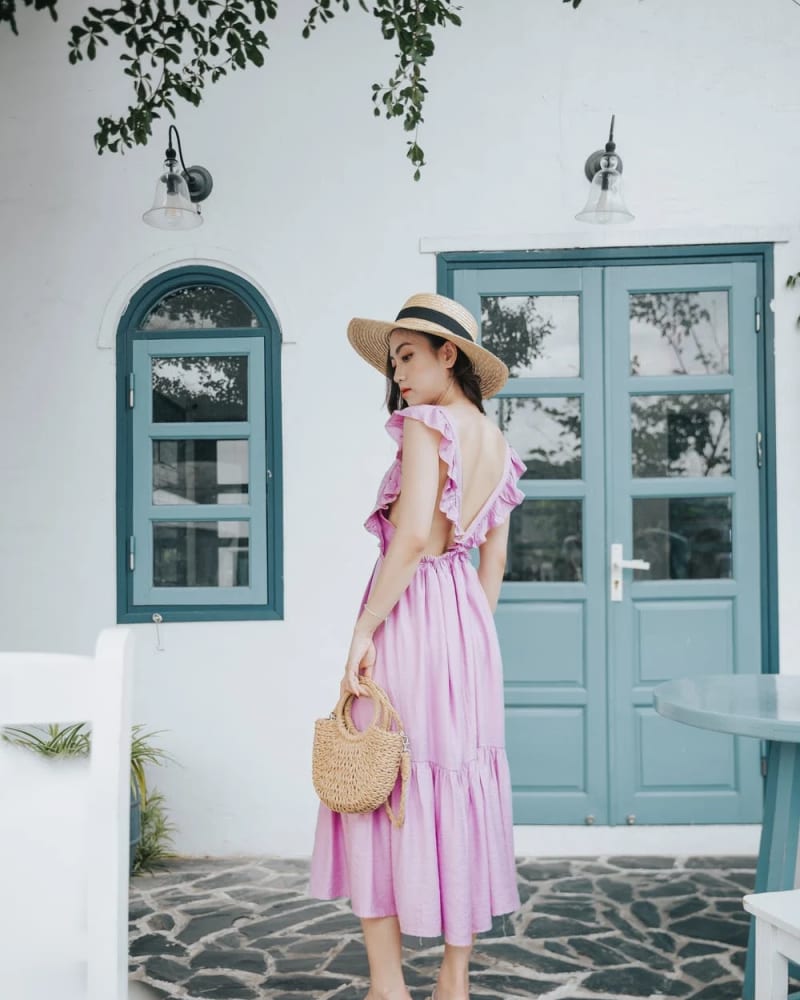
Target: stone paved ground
[{"x": 588, "y": 928}]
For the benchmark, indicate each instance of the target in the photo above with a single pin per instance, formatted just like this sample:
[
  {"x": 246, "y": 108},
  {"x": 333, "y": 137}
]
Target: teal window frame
[{"x": 138, "y": 600}]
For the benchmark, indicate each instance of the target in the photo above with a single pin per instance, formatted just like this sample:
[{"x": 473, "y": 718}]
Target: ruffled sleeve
[
  {"x": 433, "y": 417},
  {"x": 508, "y": 497}
]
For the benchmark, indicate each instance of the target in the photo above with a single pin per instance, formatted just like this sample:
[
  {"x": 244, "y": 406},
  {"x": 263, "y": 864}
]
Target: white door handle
[{"x": 618, "y": 564}]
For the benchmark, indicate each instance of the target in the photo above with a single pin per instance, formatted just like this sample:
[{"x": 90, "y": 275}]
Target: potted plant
[{"x": 151, "y": 832}]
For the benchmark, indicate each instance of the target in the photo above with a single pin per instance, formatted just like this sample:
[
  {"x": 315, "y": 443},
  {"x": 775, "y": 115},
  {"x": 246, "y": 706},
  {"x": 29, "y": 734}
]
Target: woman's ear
[{"x": 448, "y": 353}]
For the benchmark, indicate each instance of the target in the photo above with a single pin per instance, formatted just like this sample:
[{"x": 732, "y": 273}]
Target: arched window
[{"x": 199, "y": 513}]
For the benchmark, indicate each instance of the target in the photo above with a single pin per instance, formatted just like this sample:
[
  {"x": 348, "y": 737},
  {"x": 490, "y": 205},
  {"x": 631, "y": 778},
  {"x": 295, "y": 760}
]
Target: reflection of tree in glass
[
  {"x": 515, "y": 331},
  {"x": 692, "y": 437},
  {"x": 679, "y": 316},
  {"x": 687, "y": 435},
  {"x": 199, "y": 388},
  {"x": 199, "y": 307},
  {"x": 559, "y": 457}
]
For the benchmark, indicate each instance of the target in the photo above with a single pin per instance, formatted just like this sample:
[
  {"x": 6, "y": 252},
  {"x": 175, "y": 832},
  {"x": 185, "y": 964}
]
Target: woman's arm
[
  {"x": 492, "y": 564},
  {"x": 413, "y": 515}
]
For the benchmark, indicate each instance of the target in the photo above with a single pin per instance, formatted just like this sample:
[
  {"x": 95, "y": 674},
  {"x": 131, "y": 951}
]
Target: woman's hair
[{"x": 463, "y": 372}]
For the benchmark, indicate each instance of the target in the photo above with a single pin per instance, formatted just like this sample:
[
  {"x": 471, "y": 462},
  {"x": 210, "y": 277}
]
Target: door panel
[{"x": 683, "y": 495}]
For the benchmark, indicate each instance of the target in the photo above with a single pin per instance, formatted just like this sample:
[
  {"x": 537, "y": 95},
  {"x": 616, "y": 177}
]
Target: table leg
[{"x": 777, "y": 853}]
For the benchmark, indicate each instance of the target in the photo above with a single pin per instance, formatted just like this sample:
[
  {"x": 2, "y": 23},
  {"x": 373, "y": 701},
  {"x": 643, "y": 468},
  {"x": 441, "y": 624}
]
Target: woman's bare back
[{"x": 482, "y": 449}]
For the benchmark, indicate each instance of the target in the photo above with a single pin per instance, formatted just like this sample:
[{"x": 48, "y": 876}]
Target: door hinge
[
  {"x": 759, "y": 449},
  {"x": 131, "y": 553},
  {"x": 130, "y": 391},
  {"x": 758, "y": 315},
  {"x": 763, "y": 767}
]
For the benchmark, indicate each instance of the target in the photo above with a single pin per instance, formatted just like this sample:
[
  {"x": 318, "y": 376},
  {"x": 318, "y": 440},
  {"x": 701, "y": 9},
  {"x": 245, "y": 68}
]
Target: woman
[{"x": 426, "y": 635}]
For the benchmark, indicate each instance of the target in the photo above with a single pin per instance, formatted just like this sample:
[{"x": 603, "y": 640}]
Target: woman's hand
[{"x": 360, "y": 661}]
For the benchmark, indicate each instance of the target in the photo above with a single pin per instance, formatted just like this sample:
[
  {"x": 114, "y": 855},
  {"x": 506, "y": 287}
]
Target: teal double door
[{"x": 635, "y": 557}]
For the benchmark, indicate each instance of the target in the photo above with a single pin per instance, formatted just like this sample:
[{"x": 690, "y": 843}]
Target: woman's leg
[
  {"x": 453, "y": 981},
  {"x": 385, "y": 955}
]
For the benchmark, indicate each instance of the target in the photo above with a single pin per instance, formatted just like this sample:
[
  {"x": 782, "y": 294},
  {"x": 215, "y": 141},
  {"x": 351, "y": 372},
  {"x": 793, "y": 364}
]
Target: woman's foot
[{"x": 374, "y": 994}]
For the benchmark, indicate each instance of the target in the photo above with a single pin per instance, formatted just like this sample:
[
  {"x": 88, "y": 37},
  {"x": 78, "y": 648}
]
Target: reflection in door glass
[
  {"x": 544, "y": 430},
  {"x": 201, "y": 554},
  {"x": 686, "y": 435},
  {"x": 195, "y": 388},
  {"x": 683, "y": 538},
  {"x": 545, "y": 541},
  {"x": 538, "y": 336},
  {"x": 679, "y": 333},
  {"x": 199, "y": 307},
  {"x": 200, "y": 471}
]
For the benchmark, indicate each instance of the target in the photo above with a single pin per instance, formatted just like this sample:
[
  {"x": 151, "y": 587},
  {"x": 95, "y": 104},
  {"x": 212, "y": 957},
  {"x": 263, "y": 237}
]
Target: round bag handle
[{"x": 383, "y": 716}]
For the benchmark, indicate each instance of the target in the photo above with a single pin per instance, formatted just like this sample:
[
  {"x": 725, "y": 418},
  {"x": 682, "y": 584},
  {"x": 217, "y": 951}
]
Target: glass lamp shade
[
  {"x": 172, "y": 206},
  {"x": 605, "y": 203}
]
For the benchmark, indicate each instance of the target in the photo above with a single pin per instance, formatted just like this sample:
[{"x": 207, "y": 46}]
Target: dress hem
[{"x": 433, "y": 935}]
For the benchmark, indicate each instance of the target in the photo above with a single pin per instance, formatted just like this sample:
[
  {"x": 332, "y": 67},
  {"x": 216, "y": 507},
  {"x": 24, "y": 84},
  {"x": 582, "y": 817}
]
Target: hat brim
[{"x": 370, "y": 338}]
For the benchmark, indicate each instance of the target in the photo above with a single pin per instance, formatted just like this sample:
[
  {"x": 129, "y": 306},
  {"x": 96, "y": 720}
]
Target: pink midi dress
[{"x": 450, "y": 867}]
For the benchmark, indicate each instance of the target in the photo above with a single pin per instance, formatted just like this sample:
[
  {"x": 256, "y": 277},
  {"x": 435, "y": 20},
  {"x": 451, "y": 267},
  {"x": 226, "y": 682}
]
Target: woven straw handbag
[{"x": 354, "y": 771}]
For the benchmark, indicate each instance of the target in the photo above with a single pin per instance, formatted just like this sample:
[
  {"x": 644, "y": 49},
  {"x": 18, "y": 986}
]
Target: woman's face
[{"x": 421, "y": 372}]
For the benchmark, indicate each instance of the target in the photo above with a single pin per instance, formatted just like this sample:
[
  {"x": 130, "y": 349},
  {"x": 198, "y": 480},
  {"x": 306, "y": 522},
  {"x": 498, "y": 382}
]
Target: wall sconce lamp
[
  {"x": 178, "y": 193},
  {"x": 605, "y": 203}
]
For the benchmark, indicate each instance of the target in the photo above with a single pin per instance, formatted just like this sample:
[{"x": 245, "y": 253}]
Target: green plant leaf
[{"x": 153, "y": 848}]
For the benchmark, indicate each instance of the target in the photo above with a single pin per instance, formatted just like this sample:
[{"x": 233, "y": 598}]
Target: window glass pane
[
  {"x": 536, "y": 335},
  {"x": 194, "y": 389},
  {"x": 545, "y": 541},
  {"x": 201, "y": 554},
  {"x": 203, "y": 471},
  {"x": 683, "y": 538},
  {"x": 687, "y": 435},
  {"x": 199, "y": 307},
  {"x": 679, "y": 333},
  {"x": 544, "y": 430}
]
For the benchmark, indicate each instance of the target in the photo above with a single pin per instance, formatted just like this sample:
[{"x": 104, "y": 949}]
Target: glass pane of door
[
  {"x": 683, "y": 538},
  {"x": 681, "y": 435},
  {"x": 545, "y": 542},
  {"x": 199, "y": 307},
  {"x": 200, "y": 471},
  {"x": 538, "y": 336},
  {"x": 201, "y": 553},
  {"x": 678, "y": 333},
  {"x": 545, "y": 431},
  {"x": 195, "y": 389}
]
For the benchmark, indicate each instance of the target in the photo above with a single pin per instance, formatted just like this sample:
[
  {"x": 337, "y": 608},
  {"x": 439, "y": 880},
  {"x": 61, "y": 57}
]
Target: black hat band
[{"x": 434, "y": 316}]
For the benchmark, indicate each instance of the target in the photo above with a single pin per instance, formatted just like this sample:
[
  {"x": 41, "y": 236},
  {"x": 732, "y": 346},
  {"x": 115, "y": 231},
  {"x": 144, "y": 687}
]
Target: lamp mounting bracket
[
  {"x": 199, "y": 182},
  {"x": 592, "y": 164}
]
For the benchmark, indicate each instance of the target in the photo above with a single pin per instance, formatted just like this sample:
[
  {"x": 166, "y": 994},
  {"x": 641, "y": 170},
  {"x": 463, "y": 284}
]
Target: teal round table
[{"x": 766, "y": 707}]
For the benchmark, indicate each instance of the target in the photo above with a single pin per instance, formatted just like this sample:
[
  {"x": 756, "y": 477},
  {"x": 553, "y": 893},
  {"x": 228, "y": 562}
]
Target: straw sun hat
[{"x": 436, "y": 314}]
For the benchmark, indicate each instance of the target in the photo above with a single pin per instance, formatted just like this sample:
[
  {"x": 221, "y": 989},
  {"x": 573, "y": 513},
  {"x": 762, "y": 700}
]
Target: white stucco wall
[{"x": 314, "y": 202}]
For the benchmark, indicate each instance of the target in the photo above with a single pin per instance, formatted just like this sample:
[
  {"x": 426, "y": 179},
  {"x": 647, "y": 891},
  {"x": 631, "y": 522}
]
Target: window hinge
[
  {"x": 758, "y": 315},
  {"x": 131, "y": 553},
  {"x": 130, "y": 391},
  {"x": 759, "y": 449}
]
